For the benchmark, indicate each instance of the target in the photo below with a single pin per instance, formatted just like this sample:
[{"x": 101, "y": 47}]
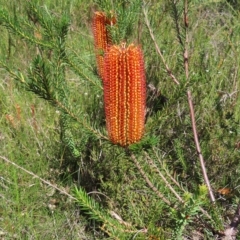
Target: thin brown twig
[
  {"x": 157, "y": 47},
  {"x": 185, "y": 54},
  {"x": 55, "y": 187},
  {"x": 37, "y": 177},
  {"x": 205, "y": 176},
  {"x": 231, "y": 231},
  {"x": 236, "y": 219}
]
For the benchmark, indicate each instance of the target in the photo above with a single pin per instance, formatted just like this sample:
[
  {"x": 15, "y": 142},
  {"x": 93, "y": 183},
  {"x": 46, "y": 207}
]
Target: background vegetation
[{"x": 52, "y": 123}]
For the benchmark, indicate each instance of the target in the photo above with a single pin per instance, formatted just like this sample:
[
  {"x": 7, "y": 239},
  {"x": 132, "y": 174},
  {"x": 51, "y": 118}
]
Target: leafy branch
[
  {"x": 46, "y": 75},
  {"x": 14, "y": 26},
  {"x": 116, "y": 228}
]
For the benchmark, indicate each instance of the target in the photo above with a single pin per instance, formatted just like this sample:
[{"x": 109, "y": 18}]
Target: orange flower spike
[
  {"x": 124, "y": 94},
  {"x": 101, "y": 37}
]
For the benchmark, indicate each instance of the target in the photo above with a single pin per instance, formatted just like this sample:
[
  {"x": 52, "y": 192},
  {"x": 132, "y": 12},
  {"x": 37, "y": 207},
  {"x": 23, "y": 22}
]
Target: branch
[
  {"x": 81, "y": 121},
  {"x": 151, "y": 163},
  {"x": 185, "y": 54},
  {"x": 198, "y": 147},
  {"x": 231, "y": 231},
  {"x": 39, "y": 178},
  {"x": 181, "y": 188},
  {"x": 176, "y": 21},
  {"x": 9, "y": 23},
  {"x": 159, "y": 194},
  {"x": 157, "y": 48}
]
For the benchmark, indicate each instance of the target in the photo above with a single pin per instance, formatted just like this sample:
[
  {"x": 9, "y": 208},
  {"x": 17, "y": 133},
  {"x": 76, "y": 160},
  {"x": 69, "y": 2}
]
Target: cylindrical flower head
[
  {"x": 101, "y": 37},
  {"x": 124, "y": 93}
]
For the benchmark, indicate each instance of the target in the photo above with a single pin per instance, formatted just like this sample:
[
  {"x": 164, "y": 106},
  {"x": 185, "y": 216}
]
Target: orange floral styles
[
  {"x": 124, "y": 93},
  {"x": 101, "y": 37}
]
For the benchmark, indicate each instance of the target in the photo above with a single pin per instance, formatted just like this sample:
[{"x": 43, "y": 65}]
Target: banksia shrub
[
  {"x": 124, "y": 93},
  {"x": 101, "y": 37}
]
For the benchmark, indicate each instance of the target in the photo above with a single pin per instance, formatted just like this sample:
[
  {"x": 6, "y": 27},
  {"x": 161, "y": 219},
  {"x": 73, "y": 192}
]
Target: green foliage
[
  {"x": 115, "y": 228},
  {"x": 191, "y": 207},
  {"x": 40, "y": 81},
  {"x": 127, "y": 14},
  {"x": 154, "y": 189},
  {"x": 46, "y": 74}
]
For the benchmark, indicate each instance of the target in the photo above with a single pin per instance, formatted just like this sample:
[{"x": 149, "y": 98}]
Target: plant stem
[
  {"x": 159, "y": 194},
  {"x": 205, "y": 176},
  {"x": 39, "y": 178},
  {"x": 181, "y": 188},
  {"x": 185, "y": 54},
  {"x": 157, "y": 47},
  {"x": 163, "y": 178}
]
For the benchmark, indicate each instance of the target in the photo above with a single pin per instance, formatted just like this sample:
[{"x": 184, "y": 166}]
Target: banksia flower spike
[
  {"x": 101, "y": 37},
  {"x": 124, "y": 93}
]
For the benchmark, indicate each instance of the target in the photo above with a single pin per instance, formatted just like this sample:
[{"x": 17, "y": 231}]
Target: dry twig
[
  {"x": 205, "y": 176},
  {"x": 185, "y": 54},
  {"x": 39, "y": 178},
  {"x": 157, "y": 47},
  {"x": 231, "y": 231}
]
